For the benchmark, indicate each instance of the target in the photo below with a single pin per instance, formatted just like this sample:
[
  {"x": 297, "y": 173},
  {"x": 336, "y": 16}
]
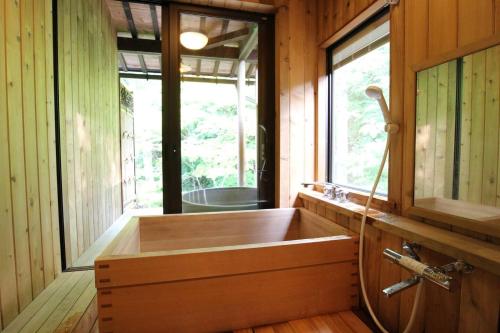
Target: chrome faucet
[{"x": 437, "y": 275}]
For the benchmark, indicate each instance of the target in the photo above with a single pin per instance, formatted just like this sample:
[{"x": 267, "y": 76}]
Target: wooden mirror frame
[{"x": 408, "y": 185}]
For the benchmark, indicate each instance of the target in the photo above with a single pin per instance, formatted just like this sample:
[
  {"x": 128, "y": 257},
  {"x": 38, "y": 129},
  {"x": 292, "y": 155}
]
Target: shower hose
[{"x": 361, "y": 248}]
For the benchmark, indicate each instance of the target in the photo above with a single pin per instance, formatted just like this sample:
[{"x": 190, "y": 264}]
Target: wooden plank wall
[
  {"x": 333, "y": 15},
  {"x": 435, "y": 31},
  {"x": 479, "y": 147},
  {"x": 90, "y": 122},
  {"x": 480, "y": 170},
  {"x": 296, "y": 55},
  {"x": 421, "y": 31},
  {"x": 435, "y": 126},
  {"x": 29, "y": 231},
  {"x": 473, "y": 307}
]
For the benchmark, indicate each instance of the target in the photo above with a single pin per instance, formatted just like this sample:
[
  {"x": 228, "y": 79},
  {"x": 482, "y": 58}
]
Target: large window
[{"x": 356, "y": 125}]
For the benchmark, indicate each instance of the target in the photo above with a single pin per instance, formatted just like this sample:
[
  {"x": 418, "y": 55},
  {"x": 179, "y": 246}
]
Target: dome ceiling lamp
[{"x": 193, "y": 40}]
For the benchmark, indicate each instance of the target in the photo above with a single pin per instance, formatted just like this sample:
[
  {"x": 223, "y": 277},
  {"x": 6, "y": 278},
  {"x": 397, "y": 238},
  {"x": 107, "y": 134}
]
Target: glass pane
[
  {"x": 218, "y": 114},
  {"x": 147, "y": 141},
  {"x": 457, "y": 137},
  {"x": 358, "y": 125}
]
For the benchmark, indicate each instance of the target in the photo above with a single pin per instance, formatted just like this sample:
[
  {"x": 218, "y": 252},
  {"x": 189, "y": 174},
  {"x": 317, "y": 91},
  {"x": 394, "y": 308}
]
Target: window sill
[
  {"x": 477, "y": 253},
  {"x": 379, "y": 202}
]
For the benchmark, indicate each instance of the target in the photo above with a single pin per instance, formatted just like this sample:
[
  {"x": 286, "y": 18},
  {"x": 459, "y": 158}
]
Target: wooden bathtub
[{"x": 223, "y": 271}]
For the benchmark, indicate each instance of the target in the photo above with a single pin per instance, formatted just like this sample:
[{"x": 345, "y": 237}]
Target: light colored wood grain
[
  {"x": 430, "y": 146},
  {"x": 490, "y": 193},
  {"x": 487, "y": 215},
  {"x": 389, "y": 274},
  {"x": 30, "y": 147},
  {"x": 157, "y": 266},
  {"x": 421, "y": 133},
  {"x": 269, "y": 297},
  {"x": 39, "y": 303},
  {"x": 79, "y": 296},
  {"x": 442, "y": 26},
  {"x": 40, "y": 316},
  {"x": 441, "y": 130},
  {"x": 340, "y": 24},
  {"x": 8, "y": 288},
  {"x": 91, "y": 168},
  {"x": 475, "y": 20},
  {"x": 206, "y": 230},
  {"x": 439, "y": 310},
  {"x": 482, "y": 254},
  {"x": 16, "y": 151},
  {"x": 477, "y": 127},
  {"x": 415, "y": 50},
  {"x": 479, "y": 303},
  {"x": 39, "y": 35}
]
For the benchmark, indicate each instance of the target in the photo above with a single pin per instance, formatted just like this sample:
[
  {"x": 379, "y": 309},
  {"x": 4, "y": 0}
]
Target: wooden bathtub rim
[
  {"x": 132, "y": 227},
  {"x": 146, "y": 268}
]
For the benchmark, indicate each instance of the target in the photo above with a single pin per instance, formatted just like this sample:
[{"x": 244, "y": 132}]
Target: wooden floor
[{"x": 342, "y": 322}]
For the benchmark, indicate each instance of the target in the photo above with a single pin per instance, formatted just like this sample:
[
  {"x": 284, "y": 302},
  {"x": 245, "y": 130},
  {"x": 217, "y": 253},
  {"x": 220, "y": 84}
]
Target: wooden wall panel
[
  {"x": 442, "y": 28},
  {"x": 476, "y": 20},
  {"x": 434, "y": 30},
  {"x": 296, "y": 67},
  {"x": 29, "y": 235},
  {"x": 472, "y": 307},
  {"x": 89, "y": 97},
  {"x": 426, "y": 31},
  {"x": 479, "y": 169},
  {"x": 435, "y": 124},
  {"x": 335, "y": 14}
]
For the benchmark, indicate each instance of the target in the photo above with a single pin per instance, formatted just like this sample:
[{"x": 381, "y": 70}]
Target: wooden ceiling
[{"x": 138, "y": 29}]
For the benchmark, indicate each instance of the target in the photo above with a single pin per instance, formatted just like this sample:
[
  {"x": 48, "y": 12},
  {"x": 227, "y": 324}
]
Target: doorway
[{"x": 218, "y": 123}]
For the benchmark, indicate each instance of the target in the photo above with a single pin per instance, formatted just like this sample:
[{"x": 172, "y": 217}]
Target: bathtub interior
[{"x": 194, "y": 231}]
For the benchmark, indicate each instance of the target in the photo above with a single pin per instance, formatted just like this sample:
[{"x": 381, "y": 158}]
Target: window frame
[{"x": 356, "y": 194}]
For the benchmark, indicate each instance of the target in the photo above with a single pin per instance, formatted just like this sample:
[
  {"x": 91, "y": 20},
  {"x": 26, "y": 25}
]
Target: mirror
[{"x": 457, "y": 168}]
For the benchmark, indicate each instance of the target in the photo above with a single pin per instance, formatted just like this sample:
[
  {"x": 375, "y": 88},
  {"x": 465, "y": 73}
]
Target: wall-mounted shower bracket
[{"x": 459, "y": 266}]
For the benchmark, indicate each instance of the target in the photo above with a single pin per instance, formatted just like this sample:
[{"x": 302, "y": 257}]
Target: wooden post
[{"x": 241, "y": 127}]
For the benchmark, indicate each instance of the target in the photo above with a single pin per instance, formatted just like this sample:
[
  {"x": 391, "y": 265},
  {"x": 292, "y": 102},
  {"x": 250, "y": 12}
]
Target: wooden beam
[
  {"x": 234, "y": 68},
  {"x": 123, "y": 62},
  {"x": 130, "y": 19},
  {"x": 248, "y": 46},
  {"x": 250, "y": 69},
  {"x": 147, "y": 46},
  {"x": 131, "y": 45},
  {"x": 154, "y": 19},
  {"x": 223, "y": 30},
  {"x": 227, "y": 38},
  {"x": 218, "y": 53},
  {"x": 185, "y": 78},
  {"x": 198, "y": 67},
  {"x": 203, "y": 24},
  {"x": 144, "y": 68},
  {"x": 140, "y": 75}
]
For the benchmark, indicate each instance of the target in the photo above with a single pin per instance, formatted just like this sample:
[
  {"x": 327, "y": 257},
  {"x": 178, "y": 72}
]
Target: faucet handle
[{"x": 410, "y": 249}]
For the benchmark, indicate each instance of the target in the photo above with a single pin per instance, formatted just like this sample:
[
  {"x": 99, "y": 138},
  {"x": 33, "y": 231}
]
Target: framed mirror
[{"x": 457, "y": 141}]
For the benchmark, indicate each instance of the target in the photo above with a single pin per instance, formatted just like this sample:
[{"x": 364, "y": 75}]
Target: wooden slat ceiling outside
[{"x": 218, "y": 59}]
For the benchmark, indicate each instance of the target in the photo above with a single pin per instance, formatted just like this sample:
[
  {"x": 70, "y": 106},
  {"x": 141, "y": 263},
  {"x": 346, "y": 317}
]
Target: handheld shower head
[{"x": 376, "y": 93}]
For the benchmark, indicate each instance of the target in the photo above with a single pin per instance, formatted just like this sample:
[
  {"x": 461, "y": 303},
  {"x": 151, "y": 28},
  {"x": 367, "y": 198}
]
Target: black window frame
[{"x": 385, "y": 11}]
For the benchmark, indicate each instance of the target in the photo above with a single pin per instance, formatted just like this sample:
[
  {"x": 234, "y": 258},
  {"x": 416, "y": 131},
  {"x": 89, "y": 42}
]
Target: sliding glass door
[{"x": 218, "y": 110}]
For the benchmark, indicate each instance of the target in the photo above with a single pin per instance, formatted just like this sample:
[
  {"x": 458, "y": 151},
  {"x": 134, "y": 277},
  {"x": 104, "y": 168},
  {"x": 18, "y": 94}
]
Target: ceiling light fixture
[{"x": 193, "y": 40}]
